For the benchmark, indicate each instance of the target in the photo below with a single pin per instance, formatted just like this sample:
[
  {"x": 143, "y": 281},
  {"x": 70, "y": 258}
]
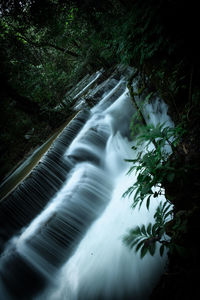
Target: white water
[{"x": 101, "y": 266}]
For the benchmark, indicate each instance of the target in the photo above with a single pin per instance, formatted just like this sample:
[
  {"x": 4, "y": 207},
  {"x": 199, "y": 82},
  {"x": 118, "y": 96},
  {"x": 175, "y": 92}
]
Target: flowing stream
[{"x": 71, "y": 248}]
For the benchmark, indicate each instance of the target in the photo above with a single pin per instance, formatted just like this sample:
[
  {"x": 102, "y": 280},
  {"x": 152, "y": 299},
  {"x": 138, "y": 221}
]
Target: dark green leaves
[
  {"x": 154, "y": 170},
  {"x": 162, "y": 247},
  {"x": 143, "y": 251},
  {"x": 145, "y": 238},
  {"x": 148, "y": 202},
  {"x": 162, "y": 213},
  {"x": 152, "y": 166}
]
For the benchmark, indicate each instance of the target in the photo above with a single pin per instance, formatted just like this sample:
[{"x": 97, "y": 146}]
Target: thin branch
[
  {"x": 40, "y": 45},
  {"x": 129, "y": 85}
]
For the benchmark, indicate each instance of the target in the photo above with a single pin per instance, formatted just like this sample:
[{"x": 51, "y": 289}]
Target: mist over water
[{"x": 75, "y": 243}]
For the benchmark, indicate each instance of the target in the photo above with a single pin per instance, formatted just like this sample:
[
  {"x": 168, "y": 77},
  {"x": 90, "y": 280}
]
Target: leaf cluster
[
  {"x": 153, "y": 167},
  {"x": 146, "y": 238}
]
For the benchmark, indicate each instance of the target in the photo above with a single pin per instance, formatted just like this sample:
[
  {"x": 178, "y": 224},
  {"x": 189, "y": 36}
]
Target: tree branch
[
  {"x": 129, "y": 85},
  {"x": 41, "y": 45}
]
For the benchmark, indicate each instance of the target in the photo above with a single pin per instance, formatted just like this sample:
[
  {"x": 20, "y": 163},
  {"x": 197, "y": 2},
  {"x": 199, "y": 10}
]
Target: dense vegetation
[{"x": 47, "y": 46}]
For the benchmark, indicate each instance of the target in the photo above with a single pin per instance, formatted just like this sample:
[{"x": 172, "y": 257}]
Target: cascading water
[
  {"x": 31, "y": 196},
  {"x": 73, "y": 249}
]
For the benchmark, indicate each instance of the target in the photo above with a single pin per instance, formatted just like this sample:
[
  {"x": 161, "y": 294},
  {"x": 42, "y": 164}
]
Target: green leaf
[
  {"x": 149, "y": 229},
  {"x": 168, "y": 213},
  {"x": 131, "y": 239},
  {"x": 129, "y": 191},
  {"x": 139, "y": 246},
  {"x": 166, "y": 210},
  {"x": 140, "y": 203},
  {"x": 154, "y": 229},
  {"x": 131, "y": 170},
  {"x": 162, "y": 206},
  {"x": 133, "y": 243},
  {"x": 148, "y": 202},
  {"x": 138, "y": 230},
  {"x": 162, "y": 247},
  {"x": 143, "y": 251},
  {"x": 152, "y": 248},
  {"x": 155, "y": 195},
  {"x": 134, "y": 148},
  {"x": 143, "y": 230},
  {"x": 131, "y": 160}
]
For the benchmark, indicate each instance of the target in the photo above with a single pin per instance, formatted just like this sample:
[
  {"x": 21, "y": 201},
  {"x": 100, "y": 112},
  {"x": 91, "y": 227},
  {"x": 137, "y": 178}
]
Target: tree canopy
[{"x": 47, "y": 46}]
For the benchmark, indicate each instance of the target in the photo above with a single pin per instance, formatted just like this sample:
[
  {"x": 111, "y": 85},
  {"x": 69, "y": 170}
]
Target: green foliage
[
  {"x": 43, "y": 51},
  {"x": 139, "y": 37},
  {"x": 153, "y": 167},
  {"x": 137, "y": 120},
  {"x": 146, "y": 238},
  {"x": 155, "y": 171}
]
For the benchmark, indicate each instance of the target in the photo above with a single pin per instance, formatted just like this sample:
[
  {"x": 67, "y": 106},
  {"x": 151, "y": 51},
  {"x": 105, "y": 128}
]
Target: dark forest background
[{"x": 47, "y": 46}]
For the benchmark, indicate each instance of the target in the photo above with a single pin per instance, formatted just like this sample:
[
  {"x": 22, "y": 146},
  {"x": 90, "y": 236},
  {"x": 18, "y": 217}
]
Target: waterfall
[
  {"x": 31, "y": 196},
  {"x": 69, "y": 216}
]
